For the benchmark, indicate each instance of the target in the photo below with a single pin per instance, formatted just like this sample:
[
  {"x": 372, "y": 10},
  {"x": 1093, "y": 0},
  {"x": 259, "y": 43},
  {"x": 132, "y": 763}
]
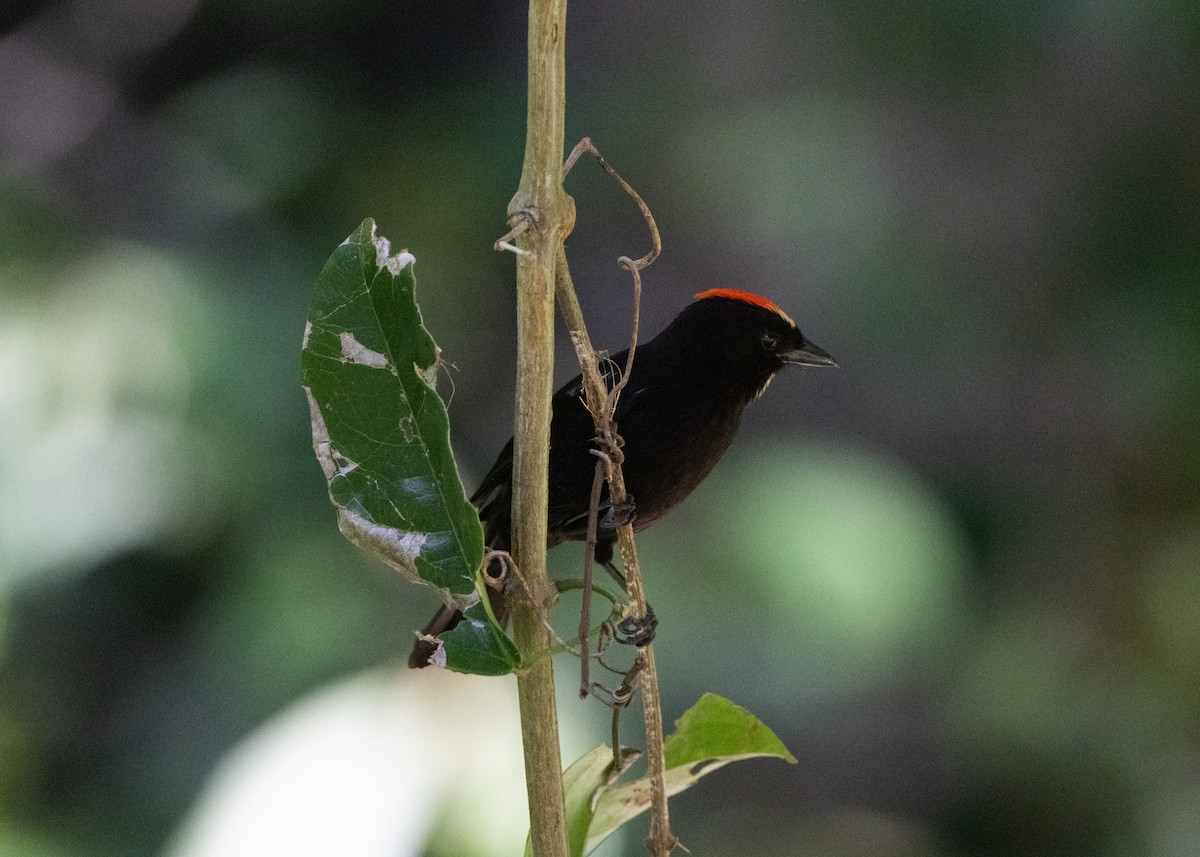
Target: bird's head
[{"x": 753, "y": 335}]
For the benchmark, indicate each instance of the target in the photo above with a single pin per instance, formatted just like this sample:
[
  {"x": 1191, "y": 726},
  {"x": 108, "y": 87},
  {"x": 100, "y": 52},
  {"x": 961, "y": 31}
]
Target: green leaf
[
  {"x": 381, "y": 434},
  {"x": 715, "y": 728},
  {"x": 581, "y": 781},
  {"x": 477, "y": 645},
  {"x": 711, "y": 734}
]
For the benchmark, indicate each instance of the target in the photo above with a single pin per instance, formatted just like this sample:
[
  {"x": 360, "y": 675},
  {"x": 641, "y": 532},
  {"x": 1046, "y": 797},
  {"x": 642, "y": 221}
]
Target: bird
[{"x": 677, "y": 415}]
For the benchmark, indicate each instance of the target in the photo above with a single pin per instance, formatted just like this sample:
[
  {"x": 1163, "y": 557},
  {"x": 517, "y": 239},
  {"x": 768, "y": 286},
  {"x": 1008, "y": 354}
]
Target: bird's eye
[{"x": 769, "y": 341}]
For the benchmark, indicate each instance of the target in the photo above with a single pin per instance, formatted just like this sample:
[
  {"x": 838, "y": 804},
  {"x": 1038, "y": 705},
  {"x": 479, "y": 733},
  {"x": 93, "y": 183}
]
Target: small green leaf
[
  {"x": 476, "y": 645},
  {"x": 586, "y": 776},
  {"x": 711, "y": 734},
  {"x": 715, "y": 728},
  {"x": 381, "y": 433}
]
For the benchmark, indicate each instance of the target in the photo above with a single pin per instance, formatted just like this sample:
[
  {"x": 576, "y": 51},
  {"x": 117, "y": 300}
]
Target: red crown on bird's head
[{"x": 747, "y": 297}]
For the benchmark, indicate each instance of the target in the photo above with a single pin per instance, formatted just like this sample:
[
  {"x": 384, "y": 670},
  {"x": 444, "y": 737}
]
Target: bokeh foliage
[{"x": 956, "y": 576}]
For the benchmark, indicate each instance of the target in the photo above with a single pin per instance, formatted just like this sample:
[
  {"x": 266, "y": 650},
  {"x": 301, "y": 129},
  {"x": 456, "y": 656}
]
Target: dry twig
[{"x": 602, "y": 404}]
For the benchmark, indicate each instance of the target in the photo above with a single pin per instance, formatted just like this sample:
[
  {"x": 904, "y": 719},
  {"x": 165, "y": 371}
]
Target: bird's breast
[{"x": 665, "y": 462}]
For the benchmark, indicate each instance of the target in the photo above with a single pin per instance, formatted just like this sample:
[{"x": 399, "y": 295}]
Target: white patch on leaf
[
  {"x": 397, "y": 263},
  {"x": 345, "y": 465},
  {"x": 383, "y": 258},
  {"x": 438, "y": 658},
  {"x": 429, "y": 374},
  {"x": 354, "y": 351},
  {"x": 320, "y": 433},
  {"x": 398, "y": 548}
]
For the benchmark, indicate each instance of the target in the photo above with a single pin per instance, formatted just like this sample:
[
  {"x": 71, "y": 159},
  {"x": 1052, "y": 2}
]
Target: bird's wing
[
  {"x": 493, "y": 499},
  {"x": 572, "y": 465},
  {"x": 572, "y": 439}
]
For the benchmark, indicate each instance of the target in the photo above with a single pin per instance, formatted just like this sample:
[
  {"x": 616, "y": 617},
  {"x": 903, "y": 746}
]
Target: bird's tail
[{"x": 442, "y": 621}]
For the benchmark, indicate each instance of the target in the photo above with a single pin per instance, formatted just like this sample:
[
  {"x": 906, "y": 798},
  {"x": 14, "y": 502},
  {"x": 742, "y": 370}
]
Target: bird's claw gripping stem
[
  {"x": 637, "y": 630},
  {"x": 619, "y": 514}
]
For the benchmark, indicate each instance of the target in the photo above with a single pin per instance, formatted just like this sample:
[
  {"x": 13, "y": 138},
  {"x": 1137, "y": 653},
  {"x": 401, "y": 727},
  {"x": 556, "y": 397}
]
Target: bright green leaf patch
[
  {"x": 715, "y": 728},
  {"x": 711, "y": 734},
  {"x": 381, "y": 433}
]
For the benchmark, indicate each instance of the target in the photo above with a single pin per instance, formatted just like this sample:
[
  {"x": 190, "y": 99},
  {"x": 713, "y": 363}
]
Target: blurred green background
[{"x": 960, "y": 576}]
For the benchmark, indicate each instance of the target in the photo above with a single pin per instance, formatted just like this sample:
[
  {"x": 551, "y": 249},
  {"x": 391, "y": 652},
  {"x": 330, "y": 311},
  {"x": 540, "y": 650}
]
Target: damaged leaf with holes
[{"x": 382, "y": 437}]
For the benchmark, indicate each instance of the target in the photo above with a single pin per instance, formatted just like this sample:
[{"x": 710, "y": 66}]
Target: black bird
[{"x": 677, "y": 415}]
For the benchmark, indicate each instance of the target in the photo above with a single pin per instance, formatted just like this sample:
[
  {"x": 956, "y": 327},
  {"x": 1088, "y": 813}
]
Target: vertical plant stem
[
  {"x": 662, "y": 841},
  {"x": 542, "y": 215}
]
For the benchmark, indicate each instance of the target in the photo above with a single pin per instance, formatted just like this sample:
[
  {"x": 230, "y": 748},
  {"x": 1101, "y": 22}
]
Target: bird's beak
[{"x": 809, "y": 355}]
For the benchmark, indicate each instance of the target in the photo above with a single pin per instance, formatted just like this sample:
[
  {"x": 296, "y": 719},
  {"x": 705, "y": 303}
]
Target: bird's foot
[
  {"x": 619, "y": 514},
  {"x": 637, "y": 630}
]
